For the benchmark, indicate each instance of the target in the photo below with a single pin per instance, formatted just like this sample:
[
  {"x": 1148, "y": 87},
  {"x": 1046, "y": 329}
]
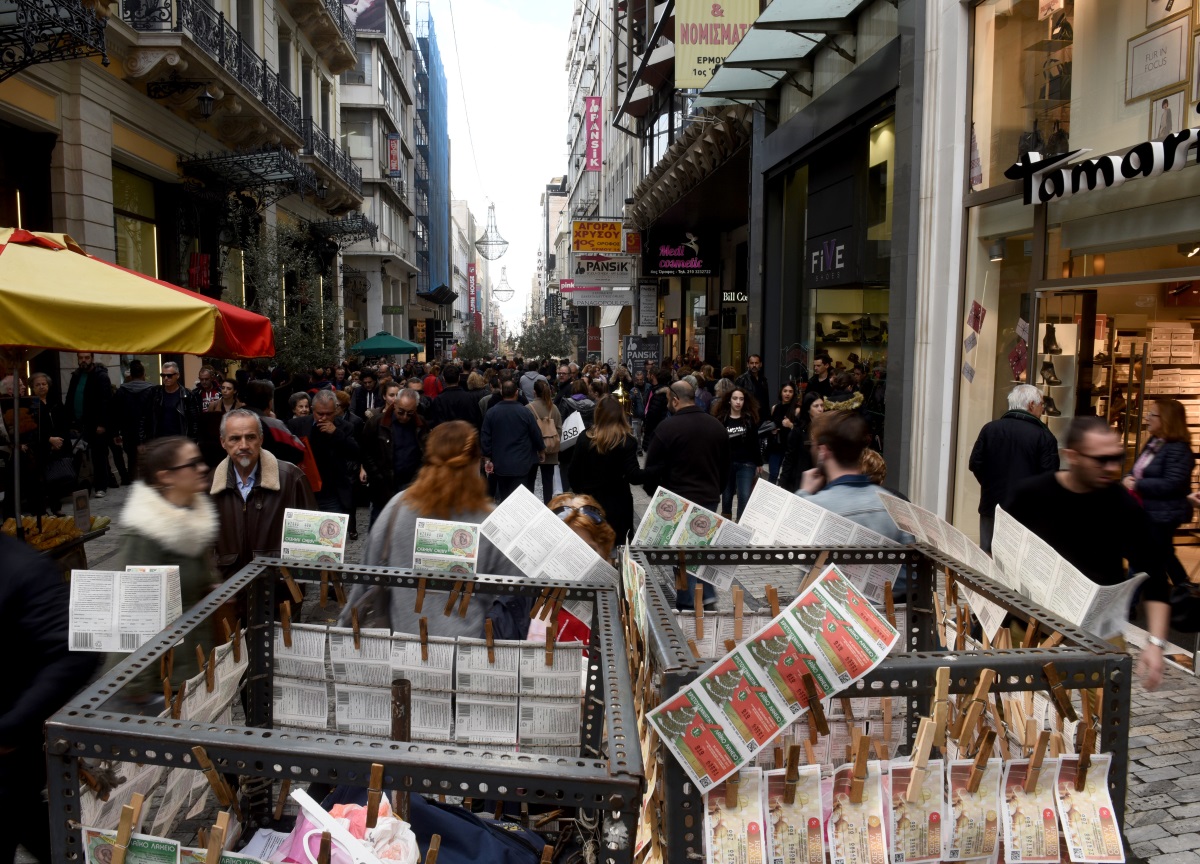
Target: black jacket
[
  {"x": 689, "y": 454},
  {"x": 130, "y": 404},
  {"x": 606, "y": 477},
  {"x": 797, "y": 458},
  {"x": 1166, "y": 482},
  {"x": 656, "y": 412},
  {"x": 358, "y": 401},
  {"x": 455, "y": 403},
  {"x": 758, "y": 387},
  {"x": 97, "y": 400},
  {"x": 511, "y": 438},
  {"x": 189, "y": 414},
  {"x": 42, "y": 672},
  {"x": 336, "y": 454},
  {"x": 1013, "y": 448},
  {"x": 378, "y": 459}
]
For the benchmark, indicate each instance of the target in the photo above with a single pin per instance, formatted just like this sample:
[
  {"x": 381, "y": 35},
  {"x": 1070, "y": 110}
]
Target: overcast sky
[{"x": 513, "y": 54}]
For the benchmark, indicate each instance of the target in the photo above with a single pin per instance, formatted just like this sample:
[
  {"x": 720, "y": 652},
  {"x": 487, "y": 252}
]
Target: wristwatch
[{"x": 1155, "y": 641}]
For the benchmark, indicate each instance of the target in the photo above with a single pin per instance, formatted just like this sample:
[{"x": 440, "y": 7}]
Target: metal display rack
[
  {"x": 1082, "y": 659},
  {"x": 609, "y": 781}
]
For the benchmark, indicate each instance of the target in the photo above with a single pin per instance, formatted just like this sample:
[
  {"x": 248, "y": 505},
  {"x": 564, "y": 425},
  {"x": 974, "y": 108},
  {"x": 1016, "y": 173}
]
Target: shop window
[{"x": 133, "y": 222}]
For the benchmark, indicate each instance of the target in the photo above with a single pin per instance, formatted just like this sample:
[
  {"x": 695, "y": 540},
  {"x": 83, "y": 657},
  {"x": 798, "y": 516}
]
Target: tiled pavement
[{"x": 1162, "y": 822}]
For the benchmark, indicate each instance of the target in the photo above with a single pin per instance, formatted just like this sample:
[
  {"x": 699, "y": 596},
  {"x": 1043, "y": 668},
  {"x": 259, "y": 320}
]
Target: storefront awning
[
  {"x": 810, "y": 16},
  {"x": 776, "y": 50},
  {"x": 742, "y": 84}
]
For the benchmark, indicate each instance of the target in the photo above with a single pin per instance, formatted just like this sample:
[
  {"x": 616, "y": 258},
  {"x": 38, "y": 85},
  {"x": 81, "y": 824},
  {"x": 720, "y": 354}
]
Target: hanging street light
[
  {"x": 491, "y": 245},
  {"x": 503, "y": 292}
]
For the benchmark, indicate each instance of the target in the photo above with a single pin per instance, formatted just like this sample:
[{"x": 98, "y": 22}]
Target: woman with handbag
[
  {"x": 605, "y": 464},
  {"x": 448, "y": 487},
  {"x": 1162, "y": 478},
  {"x": 51, "y": 453},
  {"x": 549, "y": 421}
]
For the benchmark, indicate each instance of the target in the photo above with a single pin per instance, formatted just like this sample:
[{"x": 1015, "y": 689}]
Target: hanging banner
[
  {"x": 602, "y": 298},
  {"x": 633, "y": 242},
  {"x": 648, "y": 303},
  {"x": 393, "y": 145},
  {"x": 567, "y": 286},
  {"x": 471, "y": 288},
  {"x": 705, "y": 34},
  {"x": 593, "y": 140},
  {"x": 606, "y": 271},
  {"x": 596, "y": 236}
]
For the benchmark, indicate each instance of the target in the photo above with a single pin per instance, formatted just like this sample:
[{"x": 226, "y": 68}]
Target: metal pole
[
  {"x": 16, "y": 439},
  {"x": 401, "y": 731}
]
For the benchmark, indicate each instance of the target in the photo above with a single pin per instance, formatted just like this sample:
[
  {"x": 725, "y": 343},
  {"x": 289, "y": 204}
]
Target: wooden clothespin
[
  {"x": 435, "y": 844},
  {"x": 210, "y": 671},
  {"x": 547, "y": 854},
  {"x": 889, "y": 604},
  {"x": 858, "y": 780},
  {"x": 1001, "y": 725},
  {"x": 466, "y": 600},
  {"x": 339, "y": 591},
  {"x": 698, "y": 612},
  {"x": 691, "y": 643},
  {"x": 323, "y": 600},
  {"x": 814, "y": 703},
  {"x": 220, "y": 788},
  {"x": 1035, "y": 761},
  {"x": 1062, "y": 702},
  {"x": 498, "y": 813},
  {"x": 547, "y": 818},
  {"x": 1031, "y": 734},
  {"x": 1057, "y": 746},
  {"x": 285, "y": 622},
  {"x": 177, "y": 705},
  {"x": 216, "y": 839},
  {"x": 981, "y": 761},
  {"x": 551, "y": 635},
  {"x": 814, "y": 571},
  {"x": 731, "y": 790},
  {"x": 453, "y": 598},
  {"x": 941, "y": 705},
  {"x": 233, "y": 637},
  {"x": 791, "y": 775},
  {"x": 423, "y": 626},
  {"x": 166, "y": 663},
  {"x": 558, "y": 597},
  {"x": 810, "y": 755},
  {"x": 1086, "y": 749},
  {"x": 681, "y": 575},
  {"x": 420, "y": 596},
  {"x": 542, "y": 598},
  {"x": 202, "y": 837},
  {"x": 1031, "y": 634},
  {"x": 850, "y": 719},
  {"x": 985, "y": 741},
  {"x": 812, "y": 728},
  {"x": 960, "y": 628},
  {"x": 738, "y": 605},
  {"x": 293, "y": 588},
  {"x": 167, "y": 692},
  {"x": 356, "y": 629},
  {"x": 1053, "y": 641},
  {"x": 130, "y": 814},
  {"x": 374, "y": 794},
  {"x": 284, "y": 788},
  {"x": 975, "y": 706},
  {"x": 202, "y": 665},
  {"x": 920, "y": 759},
  {"x": 951, "y": 587},
  {"x": 325, "y": 850},
  {"x": 729, "y": 646},
  {"x": 773, "y": 599}
]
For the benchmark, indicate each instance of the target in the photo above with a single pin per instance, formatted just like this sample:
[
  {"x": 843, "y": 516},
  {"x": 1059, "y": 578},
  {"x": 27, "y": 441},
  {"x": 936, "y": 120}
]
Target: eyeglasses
[
  {"x": 1104, "y": 459},
  {"x": 170, "y": 375},
  {"x": 587, "y": 510},
  {"x": 404, "y": 412},
  {"x": 194, "y": 463}
]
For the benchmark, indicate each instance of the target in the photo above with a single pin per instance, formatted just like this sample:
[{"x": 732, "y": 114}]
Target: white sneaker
[{"x": 100, "y": 493}]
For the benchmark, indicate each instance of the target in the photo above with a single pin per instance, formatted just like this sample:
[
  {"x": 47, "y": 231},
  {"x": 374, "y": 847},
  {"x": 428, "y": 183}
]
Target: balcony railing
[
  {"x": 320, "y": 145},
  {"x": 218, "y": 38},
  {"x": 343, "y": 23}
]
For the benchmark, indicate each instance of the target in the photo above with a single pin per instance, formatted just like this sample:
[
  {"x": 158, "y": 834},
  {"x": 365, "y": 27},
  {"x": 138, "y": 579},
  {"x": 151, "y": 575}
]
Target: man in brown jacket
[{"x": 252, "y": 489}]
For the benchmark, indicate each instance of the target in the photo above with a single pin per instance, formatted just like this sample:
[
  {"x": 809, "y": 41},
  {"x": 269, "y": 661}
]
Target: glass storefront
[{"x": 1090, "y": 297}]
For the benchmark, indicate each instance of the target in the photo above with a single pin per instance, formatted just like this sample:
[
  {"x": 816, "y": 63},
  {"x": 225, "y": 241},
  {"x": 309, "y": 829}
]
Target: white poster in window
[
  {"x": 1156, "y": 60},
  {"x": 1160, "y": 10}
]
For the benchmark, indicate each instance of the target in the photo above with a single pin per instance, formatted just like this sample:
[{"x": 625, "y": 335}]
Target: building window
[
  {"x": 356, "y": 138},
  {"x": 285, "y": 60},
  {"x": 361, "y": 73},
  {"x": 306, "y": 88},
  {"x": 133, "y": 222},
  {"x": 326, "y": 100},
  {"x": 245, "y": 21}
]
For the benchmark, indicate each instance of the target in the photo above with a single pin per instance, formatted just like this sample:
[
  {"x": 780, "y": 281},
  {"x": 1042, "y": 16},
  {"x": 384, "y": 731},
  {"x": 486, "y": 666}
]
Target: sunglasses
[
  {"x": 194, "y": 463},
  {"x": 404, "y": 412},
  {"x": 587, "y": 510},
  {"x": 1113, "y": 459},
  {"x": 170, "y": 375}
]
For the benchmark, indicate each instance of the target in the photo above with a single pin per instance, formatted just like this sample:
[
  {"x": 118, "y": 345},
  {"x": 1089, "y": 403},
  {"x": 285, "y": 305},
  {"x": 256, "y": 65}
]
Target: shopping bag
[{"x": 572, "y": 429}]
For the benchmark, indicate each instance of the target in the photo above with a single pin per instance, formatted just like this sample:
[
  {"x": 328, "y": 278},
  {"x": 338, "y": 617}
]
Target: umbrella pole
[{"x": 17, "y": 448}]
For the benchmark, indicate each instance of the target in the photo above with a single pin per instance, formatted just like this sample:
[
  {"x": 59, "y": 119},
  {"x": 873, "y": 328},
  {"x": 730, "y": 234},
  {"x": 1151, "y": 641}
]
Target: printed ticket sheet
[
  {"x": 363, "y": 710},
  {"x": 672, "y": 520},
  {"x": 857, "y": 834},
  {"x": 749, "y": 696},
  {"x": 1088, "y": 820},
  {"x": 446, "y": 547},
  {"x": 476, "y": 672},
  {"x": 174, "y": 593},
  {"x": 313, "y": 537},
  {"x": 306, "y": 656},
  {"x": 117, "y": 611},
  {"x": 200, "y": 856},
  {"x": 975, "y": 828},
  {"x": 541, "y": 544},
  {"x": 174, "y": 798},
  {"x": 1030, "y": 818},
  {"x": 369, "y": 663},
  {"x": 550, "y": 720},
  {"x": 98, "y": 847},
  {"x": 563, "y": 677},
  {"x": 918, "y": 826},
  {"x": 736, "y": 830},
  {"x": 431, "y": 716},
  {"x": 300, "y": 703},
  {"x": 481, "y": 719},
  {"x": 795, "y": 832},
  {"x": 435, "y": 673}
]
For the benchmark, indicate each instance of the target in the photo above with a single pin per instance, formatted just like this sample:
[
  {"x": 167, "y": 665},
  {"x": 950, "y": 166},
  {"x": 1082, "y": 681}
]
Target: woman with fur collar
[{"x": 171, "y": 521}]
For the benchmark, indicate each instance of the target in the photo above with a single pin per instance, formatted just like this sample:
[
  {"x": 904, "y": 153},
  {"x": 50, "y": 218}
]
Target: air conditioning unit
[
  {"x": 407, "y": 19},
  {"x": 351, "y": 324},
  {"x": 591, "y": 62}
]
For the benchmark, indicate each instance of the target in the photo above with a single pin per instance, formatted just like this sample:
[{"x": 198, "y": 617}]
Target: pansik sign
[
  {"x": 607, "y": 271},
  {"x": 393, "y": 142},
  {"x": 596, "y": 236},
  {"x": 639, "y": 349},
  {"x": 471, "y": 287},
  {"x": 1050, "y": 178},
  {"x": 705, "y": 34},
  {"x": 602, "y": 298},
  {"x": 594, "y": 140}
]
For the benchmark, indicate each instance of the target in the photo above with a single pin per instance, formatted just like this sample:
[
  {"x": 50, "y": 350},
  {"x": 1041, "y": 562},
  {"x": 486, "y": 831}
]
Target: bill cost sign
[
  {"x": 705, "y": 34},
  {"x": 596, "y": 236}
]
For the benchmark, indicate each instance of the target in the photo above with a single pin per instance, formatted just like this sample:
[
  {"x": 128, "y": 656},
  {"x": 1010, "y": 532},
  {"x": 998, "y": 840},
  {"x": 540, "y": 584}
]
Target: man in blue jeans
[{"x": 688, "y": 453}]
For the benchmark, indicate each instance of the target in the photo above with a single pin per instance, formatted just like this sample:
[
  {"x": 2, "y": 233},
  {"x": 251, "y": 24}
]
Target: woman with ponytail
[{"x": 448, "y": 487}]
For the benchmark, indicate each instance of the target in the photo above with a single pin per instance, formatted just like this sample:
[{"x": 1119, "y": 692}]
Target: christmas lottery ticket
[
  {"x": 736, "y": 828},
  {"x": 918, "y": 825},
  {"x": 1088, "y": 819},
  {"x": 1030, "y": 822},
  {"x": 856, "y": 831},
  {"x": 975, "y": 816},
  {"x": 795, "y": 832}
]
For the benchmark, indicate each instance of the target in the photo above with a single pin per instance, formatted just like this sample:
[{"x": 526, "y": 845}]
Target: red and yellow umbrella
[{"x": 54, "y": 295}]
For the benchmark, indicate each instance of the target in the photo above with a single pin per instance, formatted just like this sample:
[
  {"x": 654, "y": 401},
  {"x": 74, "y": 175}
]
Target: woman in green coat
[{"x": 171, "y": 521}]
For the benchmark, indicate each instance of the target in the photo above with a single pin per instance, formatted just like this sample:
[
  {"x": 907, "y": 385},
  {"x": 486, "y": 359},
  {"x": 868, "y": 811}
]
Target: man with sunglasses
[
  {"x": 1092, "y": 521},
  {"x": 393, "y": 444},
  {"x": 174, "y": 410}
]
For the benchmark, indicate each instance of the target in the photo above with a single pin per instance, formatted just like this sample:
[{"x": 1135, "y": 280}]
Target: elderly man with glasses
[
  {"x": 393, "y": 443},
  {"x": 174, "y": 409}
]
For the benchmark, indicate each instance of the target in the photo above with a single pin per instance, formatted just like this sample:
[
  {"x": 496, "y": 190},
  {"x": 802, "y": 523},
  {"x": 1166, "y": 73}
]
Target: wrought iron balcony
[
  {"x": 338, "y": 13},
  {"x": 217, "y": 38},
  {"x": 43, "y": 31},
  {"x": 333, "y": 157}
]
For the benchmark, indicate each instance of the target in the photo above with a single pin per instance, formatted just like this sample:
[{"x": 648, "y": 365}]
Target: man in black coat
[
  {"x": 367, "y": 396},
  {"x": 657, "y": 404},
  {"x": 173, "y": 409},
  {"x": 1011, "y": 449},
  {"x": 511, "y": 442},
  {"x": 754, "y": 380},
  {"x": 335, "y": 449},
  {"x": 455, "y": 403},
  {"x": 89, "y": 409},
  {"x": 42, "y": 675},
  {"x": 689, "y": 454}
]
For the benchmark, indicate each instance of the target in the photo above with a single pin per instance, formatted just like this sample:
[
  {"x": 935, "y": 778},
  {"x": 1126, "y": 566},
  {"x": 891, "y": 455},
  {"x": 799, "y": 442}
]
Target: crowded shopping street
[{"x": 782, "y": 449}]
